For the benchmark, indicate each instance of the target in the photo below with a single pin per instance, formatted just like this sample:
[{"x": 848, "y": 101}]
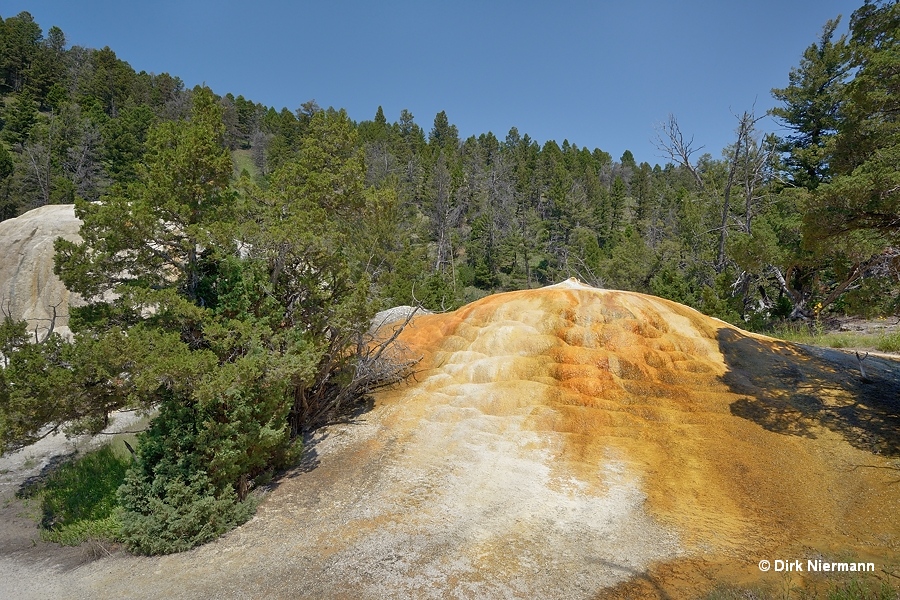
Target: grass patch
[
  {"x": 852, "y": 588},
  {"x": 78, "y": 500},
  {"x": 817, "y": 336},
  {"x": 888, "y": 342},
  {"x": 243, "y": 160}
]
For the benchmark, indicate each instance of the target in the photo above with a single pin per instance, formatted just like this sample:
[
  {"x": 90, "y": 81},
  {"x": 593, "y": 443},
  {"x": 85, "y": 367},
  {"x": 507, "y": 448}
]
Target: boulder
[{"x": 29, "y": 290}]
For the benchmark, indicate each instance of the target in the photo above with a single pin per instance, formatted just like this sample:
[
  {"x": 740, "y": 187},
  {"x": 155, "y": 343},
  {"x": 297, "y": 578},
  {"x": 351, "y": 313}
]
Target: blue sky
[{"x": 600, "y": 74}]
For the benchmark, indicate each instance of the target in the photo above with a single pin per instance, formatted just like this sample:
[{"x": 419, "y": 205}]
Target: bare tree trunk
[
  {"x": 740, "y": 158},
  {"x": 376, "y": 363},
  {"x": 797, "y": 299},
  {"x": 726, "y": 201},
  {"x": 39, "y": 165},
  {"x": 243, "y": 487},
  {"x": 862, "y": 369}
]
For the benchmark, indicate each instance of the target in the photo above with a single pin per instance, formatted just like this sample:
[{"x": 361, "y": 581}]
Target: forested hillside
[
  {"x": 246, "y": 247},
  {"x": 744, "y": 233}
]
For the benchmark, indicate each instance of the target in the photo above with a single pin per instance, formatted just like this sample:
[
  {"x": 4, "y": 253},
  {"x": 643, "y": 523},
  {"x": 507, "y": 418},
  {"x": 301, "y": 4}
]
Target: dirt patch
[
  {"x": 865, "y": 326},
  {"x": 28, "y": 565}
]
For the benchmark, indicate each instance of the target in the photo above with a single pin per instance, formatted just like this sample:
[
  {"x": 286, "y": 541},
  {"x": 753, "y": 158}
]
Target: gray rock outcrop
[{"x": 29, "y": 290}]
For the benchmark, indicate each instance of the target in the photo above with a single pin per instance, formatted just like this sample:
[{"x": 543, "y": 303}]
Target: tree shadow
[
  {"x": 794, "y": 389},
  {"x": 32, "y": 485},
  {"x": 310, "y": 458},
  {"x": 640, "y": 584}
]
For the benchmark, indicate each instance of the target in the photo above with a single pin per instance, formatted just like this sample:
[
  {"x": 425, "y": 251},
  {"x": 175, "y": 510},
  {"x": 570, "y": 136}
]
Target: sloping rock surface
[
  {"x": 29, "y": 289},
  {"x": 566, "y": 442}
]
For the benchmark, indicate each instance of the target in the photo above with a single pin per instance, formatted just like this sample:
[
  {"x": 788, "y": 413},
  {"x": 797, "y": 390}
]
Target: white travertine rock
[
  {"x": 396, "y": 314},
  {"x": 28, "y": 287}
]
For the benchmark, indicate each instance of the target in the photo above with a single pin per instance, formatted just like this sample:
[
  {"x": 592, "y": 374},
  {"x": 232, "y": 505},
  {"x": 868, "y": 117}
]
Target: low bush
[{"x": 183, "y": 515}]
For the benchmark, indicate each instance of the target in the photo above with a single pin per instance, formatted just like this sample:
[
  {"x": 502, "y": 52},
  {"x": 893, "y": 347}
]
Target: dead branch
[
  {"x": 373, "y": 364},
  {"x": 862, "y": 370},
  {"x": 670, "y": 140}
]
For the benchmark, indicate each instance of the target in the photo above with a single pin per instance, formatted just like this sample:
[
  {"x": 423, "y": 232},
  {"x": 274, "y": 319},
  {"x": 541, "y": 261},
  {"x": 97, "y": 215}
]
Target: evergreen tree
[
  {"x": 260, "y": 311},
  {"x": 8, "y": 204},
  {"x": 20, "y": 38},
  {"x": 862, "y": 199},
  {"x": 851, "y": 212},
  {"x": 812, "y": 106},
  {"x": 443, "y": 136},
  {"x": 19, "y": 117}
]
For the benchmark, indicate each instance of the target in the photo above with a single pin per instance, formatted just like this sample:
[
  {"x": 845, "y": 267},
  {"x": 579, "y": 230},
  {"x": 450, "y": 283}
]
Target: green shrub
[
  {"x": 184, "y": 515},
  {"x": 171, "y": 499}
]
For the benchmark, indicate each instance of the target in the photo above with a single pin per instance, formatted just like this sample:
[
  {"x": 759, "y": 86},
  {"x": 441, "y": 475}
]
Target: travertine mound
[
  {"x": 738, "y": 447},
  {"x": 568, "y": 442},
  {"x": 28, "y": 288}
]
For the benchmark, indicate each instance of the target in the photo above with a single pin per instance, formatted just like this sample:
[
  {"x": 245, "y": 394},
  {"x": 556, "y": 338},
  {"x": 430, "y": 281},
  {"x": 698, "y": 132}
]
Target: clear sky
[{"x": 600, "y": 74}]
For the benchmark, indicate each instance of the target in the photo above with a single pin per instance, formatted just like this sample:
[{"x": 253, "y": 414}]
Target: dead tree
[
  {"x": 355, "y": 365},
  {"x": 672, "y": 142},
  {"x": 862, "y": 369}
]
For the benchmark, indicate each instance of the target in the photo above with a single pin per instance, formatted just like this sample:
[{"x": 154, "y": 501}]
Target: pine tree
[{"x": 812, "y": 107}]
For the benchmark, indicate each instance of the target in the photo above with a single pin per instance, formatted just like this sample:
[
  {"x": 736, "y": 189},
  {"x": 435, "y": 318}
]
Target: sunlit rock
[
  {"x": 29, "y": 289},
  {"x": 571, "y": 443},
  {"x": 570, "y": 438}
]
